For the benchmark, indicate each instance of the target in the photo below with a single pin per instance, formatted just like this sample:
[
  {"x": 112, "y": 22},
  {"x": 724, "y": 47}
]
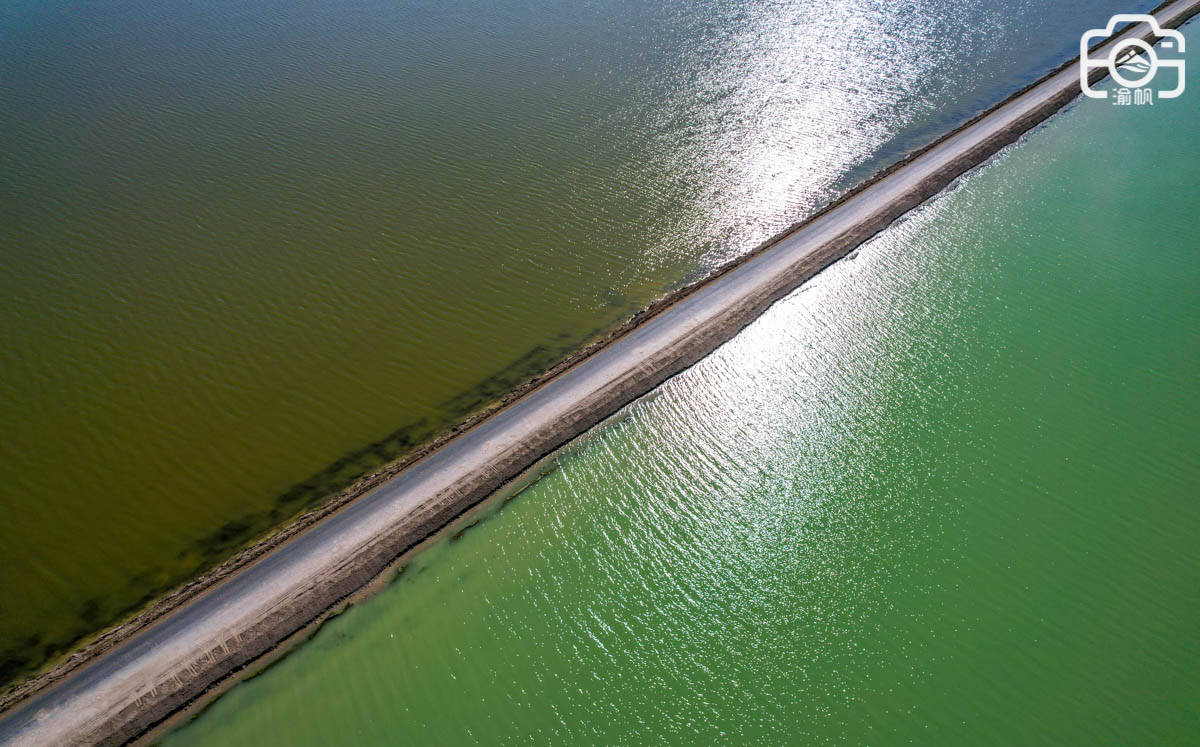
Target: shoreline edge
[{"x": 192, "y": 643}]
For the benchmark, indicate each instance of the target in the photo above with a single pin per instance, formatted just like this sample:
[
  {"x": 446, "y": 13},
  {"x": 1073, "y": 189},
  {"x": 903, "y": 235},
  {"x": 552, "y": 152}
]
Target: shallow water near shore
[
  {"x": 945, "y": 493},
  {"x": 253, "y": 251}
]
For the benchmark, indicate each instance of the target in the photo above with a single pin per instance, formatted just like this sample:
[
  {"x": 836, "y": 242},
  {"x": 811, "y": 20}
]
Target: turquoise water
[
  {"x": 252, "y": 251},
  {"x": 945, "y": 493}
]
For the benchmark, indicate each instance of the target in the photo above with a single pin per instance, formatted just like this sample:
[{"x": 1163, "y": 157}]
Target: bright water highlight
[
  {"x": 945, "y": 493},
  {"x": 252, "y": 251}
]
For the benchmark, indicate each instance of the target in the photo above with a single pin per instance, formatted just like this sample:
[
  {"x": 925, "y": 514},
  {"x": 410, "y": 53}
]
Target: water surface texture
[
  {"x": 251, "y": 251},
  {"x": 944, "y": 494}
]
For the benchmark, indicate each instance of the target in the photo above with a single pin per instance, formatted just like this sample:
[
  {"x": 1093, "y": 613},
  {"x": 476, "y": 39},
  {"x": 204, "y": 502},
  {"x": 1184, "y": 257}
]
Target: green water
[
  {"x": 250, "y": 251},
  {"x": 946, "y": 493}
]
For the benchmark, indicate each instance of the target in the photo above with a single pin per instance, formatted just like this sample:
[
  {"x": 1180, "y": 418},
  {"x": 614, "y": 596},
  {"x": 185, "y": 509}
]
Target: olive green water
[
  {"x": 250, "y": 251},
  {"x": 946, "y": 493}
]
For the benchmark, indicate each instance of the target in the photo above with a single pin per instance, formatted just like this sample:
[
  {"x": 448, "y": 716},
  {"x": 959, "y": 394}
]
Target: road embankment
[{"x": 170, "y": 664}]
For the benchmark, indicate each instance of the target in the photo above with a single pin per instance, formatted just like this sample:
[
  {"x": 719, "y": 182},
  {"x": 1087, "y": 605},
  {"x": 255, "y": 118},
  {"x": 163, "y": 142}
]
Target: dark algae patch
[{"x": 20, "y": 660}]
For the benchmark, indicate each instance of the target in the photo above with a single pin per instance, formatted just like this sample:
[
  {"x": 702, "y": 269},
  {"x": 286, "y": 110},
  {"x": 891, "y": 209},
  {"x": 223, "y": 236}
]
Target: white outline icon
[{"x": 1129, "y": 50}]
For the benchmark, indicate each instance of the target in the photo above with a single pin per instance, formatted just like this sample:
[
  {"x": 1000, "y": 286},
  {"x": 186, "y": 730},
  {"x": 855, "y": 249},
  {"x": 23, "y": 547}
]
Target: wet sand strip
[{"x": 175, "y": 661}]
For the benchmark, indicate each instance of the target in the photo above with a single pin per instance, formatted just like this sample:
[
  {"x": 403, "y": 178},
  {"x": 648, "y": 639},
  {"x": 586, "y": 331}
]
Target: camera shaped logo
[{"x": 1132, "y": 62}]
